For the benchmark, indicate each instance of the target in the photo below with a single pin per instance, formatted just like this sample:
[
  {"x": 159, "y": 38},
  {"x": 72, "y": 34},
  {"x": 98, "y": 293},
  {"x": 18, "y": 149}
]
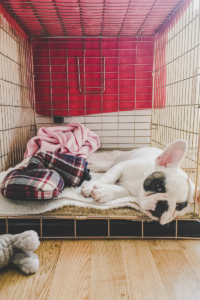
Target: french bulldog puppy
[{"x": 153, "y": 176}]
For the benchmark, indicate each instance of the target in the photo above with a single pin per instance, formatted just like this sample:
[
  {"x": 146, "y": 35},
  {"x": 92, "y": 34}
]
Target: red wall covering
[{"x": 128, "y": 75}]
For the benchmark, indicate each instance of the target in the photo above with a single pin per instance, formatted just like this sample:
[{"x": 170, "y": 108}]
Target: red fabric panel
[{"x": 128, "y": 75}]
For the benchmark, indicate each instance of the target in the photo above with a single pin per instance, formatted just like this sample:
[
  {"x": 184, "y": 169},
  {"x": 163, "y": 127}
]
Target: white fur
[{"x": 128, "y": 172}]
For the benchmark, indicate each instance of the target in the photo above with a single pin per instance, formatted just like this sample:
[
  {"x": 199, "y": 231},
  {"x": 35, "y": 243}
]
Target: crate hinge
[{"x": 195, "y": 216}]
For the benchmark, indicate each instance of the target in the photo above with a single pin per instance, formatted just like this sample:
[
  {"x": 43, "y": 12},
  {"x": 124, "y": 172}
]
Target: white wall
[{"x": 123, "y": 130}]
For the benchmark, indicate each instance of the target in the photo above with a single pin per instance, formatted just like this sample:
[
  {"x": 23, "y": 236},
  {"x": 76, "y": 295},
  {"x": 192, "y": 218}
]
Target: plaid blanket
[
  {"x": 32, "y": 184},
  {"x": 45, "y": 176},
  {"x": 72, "y": 169}
]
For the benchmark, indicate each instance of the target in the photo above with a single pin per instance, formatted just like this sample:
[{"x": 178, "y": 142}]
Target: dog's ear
[{"x": 173, "y": 155}]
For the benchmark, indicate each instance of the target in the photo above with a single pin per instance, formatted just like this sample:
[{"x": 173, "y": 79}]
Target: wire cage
[
  {"x": 127, "y": 70},
  {"x": 17, "y": 104}
]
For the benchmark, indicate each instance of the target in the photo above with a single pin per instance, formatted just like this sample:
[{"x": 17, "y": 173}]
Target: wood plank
[
  {"x": 163, "y": 244},
  {"x": 15, "y": 285},
  {"x": 143, "y": 279},
  {"x": 108, "y": 277},
  {"x": 179, "y": 279},
  {"x": 72, "y": 275},
  {"x": 126, "y": 269},
  {"x": 191, "y": 250},
  {"x": 10, "y": 279}
]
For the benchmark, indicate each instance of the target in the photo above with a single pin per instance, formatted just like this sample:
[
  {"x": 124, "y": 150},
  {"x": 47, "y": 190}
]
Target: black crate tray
[{"x": 87, "y": 227}]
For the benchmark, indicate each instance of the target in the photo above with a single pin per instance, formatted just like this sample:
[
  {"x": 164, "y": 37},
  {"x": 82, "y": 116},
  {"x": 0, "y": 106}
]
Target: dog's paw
[
  {"x": 149, "y": 203},
  {"x": 87, "y": 189},
  {"x": 101, "y": 193}
]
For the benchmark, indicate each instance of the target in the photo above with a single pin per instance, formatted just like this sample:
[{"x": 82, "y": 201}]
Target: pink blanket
[{"x": 73, "y": 139}]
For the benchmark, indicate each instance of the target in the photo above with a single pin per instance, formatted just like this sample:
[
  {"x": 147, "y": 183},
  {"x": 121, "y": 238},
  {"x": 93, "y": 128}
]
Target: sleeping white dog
[{"x": 150, "y": 174}]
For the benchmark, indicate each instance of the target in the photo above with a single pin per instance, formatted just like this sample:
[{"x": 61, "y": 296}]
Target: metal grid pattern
[
  {"x": 92, "y": 75},
  {"x": 83, "y": 17},
  {"x": 139, "y": 233},
  {"x": 176, "y": 76},
  {"x": 176, "y": 85},
  {"x": 105, "y": 81},
  {"x": 17, "y": 113}
]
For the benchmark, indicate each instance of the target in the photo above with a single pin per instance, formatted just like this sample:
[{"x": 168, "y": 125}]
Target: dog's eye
[
  {"x": 155, "y": 183},
  {"x": 180, "y": 206},
  {"x": 158, "y": 186}
]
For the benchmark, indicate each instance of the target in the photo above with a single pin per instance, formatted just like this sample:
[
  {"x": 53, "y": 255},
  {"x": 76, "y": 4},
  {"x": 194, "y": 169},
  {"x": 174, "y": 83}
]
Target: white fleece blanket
[{"x": 68, "y": 197}]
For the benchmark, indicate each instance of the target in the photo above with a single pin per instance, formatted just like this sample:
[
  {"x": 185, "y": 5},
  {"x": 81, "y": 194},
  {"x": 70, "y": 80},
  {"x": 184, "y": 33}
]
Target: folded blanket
[
  {"x": 45, "y": 176},
  {"x": 74, "y": 139},
  {"x": 72, "y": 169},
  {"x": 32, "y": 184}
]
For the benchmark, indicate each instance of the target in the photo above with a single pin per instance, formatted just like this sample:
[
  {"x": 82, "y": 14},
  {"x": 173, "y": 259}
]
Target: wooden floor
[{"x": 126, "y": 269}]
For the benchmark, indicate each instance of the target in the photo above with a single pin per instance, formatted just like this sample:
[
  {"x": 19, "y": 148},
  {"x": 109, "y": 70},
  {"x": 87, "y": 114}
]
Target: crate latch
[
  {"x": 154, "y": 126},
  {"x": 33, "y": 128},
  {"x": 81, "y": 218},
  {"x": 102, "y": 88},
  {"x": 156, "y": 72}
]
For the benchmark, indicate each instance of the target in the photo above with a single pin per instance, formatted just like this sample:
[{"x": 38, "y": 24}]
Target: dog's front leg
[
  {"x": 110, "y": 177},
  {"x": 107, "y": 192}
]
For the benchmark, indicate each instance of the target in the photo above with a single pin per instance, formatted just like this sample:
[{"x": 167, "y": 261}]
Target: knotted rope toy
[{"x": 18, "y": 250}]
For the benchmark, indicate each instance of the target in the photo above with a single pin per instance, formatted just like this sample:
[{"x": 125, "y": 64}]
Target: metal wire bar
[
  {"x": 175, "y": 112},
  {"x": 50, "y": 81},
  {"x": 41, "y": 234},
  {"x": 142, "y": 234},
  {"x": 102, "y": 89},
  {"x": 103, "y": 16},
  {"x": 81, "y": 17},
  {"x": 17, "y": 113},
  {"x": 60, "y": 19},
  {"x": 108, "y": 228},
  {"x": 125, "y": 17},
  {"x": 135, "y": 96},
  {"x": 89, "y": 36},
  {"x": 171, "y": 15},
  {"x": 37, "y": 16},
  {"x": 140, "y": 31},
  {"x": 112, "y": 18}
]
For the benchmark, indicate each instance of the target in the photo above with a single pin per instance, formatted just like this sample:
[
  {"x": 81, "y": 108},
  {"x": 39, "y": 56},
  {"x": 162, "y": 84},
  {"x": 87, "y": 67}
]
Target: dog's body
[{"x": 151, "y": 175}]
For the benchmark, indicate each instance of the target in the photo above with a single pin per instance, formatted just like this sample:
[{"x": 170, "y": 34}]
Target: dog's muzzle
[{"x": 161, "y": 207}]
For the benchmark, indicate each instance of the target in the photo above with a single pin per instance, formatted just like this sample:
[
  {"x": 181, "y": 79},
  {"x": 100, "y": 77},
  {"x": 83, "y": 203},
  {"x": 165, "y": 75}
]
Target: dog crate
[{"x": 128, "y": 70}]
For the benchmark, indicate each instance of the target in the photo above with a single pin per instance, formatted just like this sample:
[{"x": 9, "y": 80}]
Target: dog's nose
[{"x": 161, "y": 207}]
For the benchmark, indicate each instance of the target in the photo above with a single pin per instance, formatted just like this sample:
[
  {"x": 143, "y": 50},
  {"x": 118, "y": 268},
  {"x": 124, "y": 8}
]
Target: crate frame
[
  {"x": 108, "y": 219},
  {"x": 154, "y": 139}
]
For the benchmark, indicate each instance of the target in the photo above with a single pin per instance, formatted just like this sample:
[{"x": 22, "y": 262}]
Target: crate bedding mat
[
  {"x": 68, "y": 197},
  {"x": 70, "y": 201}
]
